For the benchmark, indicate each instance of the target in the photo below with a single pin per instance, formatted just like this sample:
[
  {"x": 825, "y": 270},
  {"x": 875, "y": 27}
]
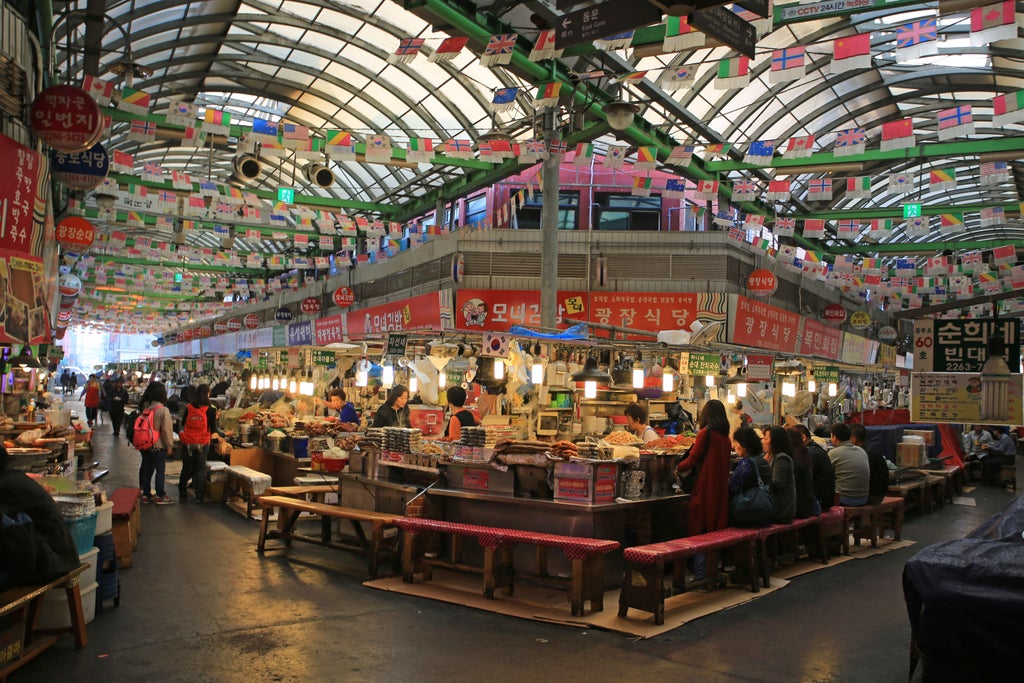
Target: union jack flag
[
  {"x": 785, "y": 224},
  {"x": 535, "y": 147},
  {"x": 744, "y": 188},
  {"x": 851, "y": 136},
  {"x": 499, "y": 49},
  {"x": 916, "y": 32}
]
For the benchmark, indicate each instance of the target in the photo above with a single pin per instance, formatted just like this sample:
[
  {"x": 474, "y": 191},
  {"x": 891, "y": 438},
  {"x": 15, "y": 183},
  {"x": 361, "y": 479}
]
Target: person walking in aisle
[
  {"x": 154, "y": 459},
  {"x": 199, "y": 425},
  {"x": 92, "y": 394},
  {"x": 118, "y": 398}
]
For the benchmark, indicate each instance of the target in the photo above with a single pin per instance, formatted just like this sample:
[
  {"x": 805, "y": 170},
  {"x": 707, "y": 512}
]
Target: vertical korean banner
[{"x": 23, "y": 294}]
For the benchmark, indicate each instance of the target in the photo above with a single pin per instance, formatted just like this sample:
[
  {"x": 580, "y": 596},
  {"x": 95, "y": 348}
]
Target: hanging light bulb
[
  {"x": 414, "y": 384},
  {"x": 590, "y": 389},
  {"x": 362, "y": 378},
  {"x": 275, "y": 383},
  {"x": 789, "y": 389},
  {"x": 812, "y": 386},
  {"x": 254, "y": 380},
  {"x": 638, "y": 375},
  {"x": 537, "y": 373},
  {"x": 709, "y": 380},
  {"x": 730, "y": 398},
  {"x": 667, "y": 380},
  {"x": 499, "y": 369},
  {"x": 741, "y": 390},
  {"x": 293, "y": 385},
  {"x": 833, "y": 388},
  {"x": 442, "y": 379},
  {"x": 387, "y": 374}
]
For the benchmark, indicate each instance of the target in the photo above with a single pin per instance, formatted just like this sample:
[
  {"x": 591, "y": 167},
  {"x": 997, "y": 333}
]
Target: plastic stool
[{"x": 107, "y": 577}]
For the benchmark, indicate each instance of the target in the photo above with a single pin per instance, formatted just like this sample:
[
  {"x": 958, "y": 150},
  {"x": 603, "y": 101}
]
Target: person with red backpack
[
  {"x": 153, "y": 436},
  {"x": 197, "y": 427}
]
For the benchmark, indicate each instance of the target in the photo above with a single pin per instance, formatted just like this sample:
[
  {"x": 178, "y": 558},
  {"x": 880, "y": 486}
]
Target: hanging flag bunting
[
  {"x": 547, "y": 95},
  {"x": 707, "y": 190},
  {"x": 216, "y": 121},
  {"x": 814, "y": 228},
  {"x": 681, "y": 155},
  {"x": 504, "y": 99},
  {"x": 584, "y": 153},
  {"x": 264, "y": 131},
  {"x": 784, "y": 226},
  {"x": 545, "y": 48},
  {"x": 122, "y": 162},
  {"x": 615, "y": 156},
  {"x": 799, "y": 147},
  {"x": 819, "y": 189},
  {"x": 733, "y": 73},
  {"x": 340, "y": 145},
  {"x": 100, "y": 90},
  {"x": 193, "y": 137},
  {"x": 181, "y": 180},
  {"x": 717, "y": 149},
  {"x": 744, "y": 191},
  {"x": 850, "y": 141},
  {"x": 955, "y": 122},
  {"x": 679, "y": 78},
  {"x": 993, "y": 216},
  {"x": 859, "y": 187},
  {"x": 641, "y": 187},
  {"x": 951, "y": 222},
  {"x": 458, "y": 149},
  {"x": 675, "y": 188},
  {"x": 448, "y": 49},
  {"x": 182, "y": 113},
  {"x": 778, "y": 190},
  {"x": 531, "y": 151},
  {"x": 726, "y": 217},
  {"x": 994, "y": 172},
  {"x": 134, "y": 101},
  {"x": 616, "y": 41},
  {"x": 941, "y": 180},
  {"x": 917, "y": 39},
  {"x": 420, "y": 150},
  {"x": 917, "y": 226},
  {"x": 851, "y": 53},
  {"x": 788, "y": 64},
  {"x": 971, "y": 261},
  {"x": 556, "y": 147},
  {"x": 753, "y": 221},
  {"x": 293, "y": 136},
  {"x": 679, "y": 35},
  {"x": 1008, "y": 108},
  {"x": 848, "y": 229},
  {"x": 898, "y": 134},
  {"x": 406, "y": 51},
  {"x": 993, "y": 22},
  {"x": 1001, "y": 255},
  {"x": 646, "y": 158},
  {"x": 900, "y": 183},
  {"x": 760, "y": 152},
  {"x": 880, "y": 228},
  {"x": 378, "y": 149},
  {"x": 152, "y": 172},
  {"x": 142, "y": 131},
  {"x": 499, "y": 49}
]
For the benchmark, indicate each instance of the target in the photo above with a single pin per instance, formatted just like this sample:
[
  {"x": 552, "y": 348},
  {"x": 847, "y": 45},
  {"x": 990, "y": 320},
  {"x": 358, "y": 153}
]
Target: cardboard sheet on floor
[{"x": 545, "y": 604}]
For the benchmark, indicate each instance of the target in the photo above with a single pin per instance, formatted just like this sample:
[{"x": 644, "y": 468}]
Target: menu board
[
  {"x": 959, "y": 397},
  {"x": 961, "y": 345}
]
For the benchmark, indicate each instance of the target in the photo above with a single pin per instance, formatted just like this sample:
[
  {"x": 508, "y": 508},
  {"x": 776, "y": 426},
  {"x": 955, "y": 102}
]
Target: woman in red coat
[{"x": 709, "y": 502}]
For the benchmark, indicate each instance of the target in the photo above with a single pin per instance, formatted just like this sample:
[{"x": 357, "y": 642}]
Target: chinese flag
[
  {"x": 897, "y": 129},
  {"x": 852, "y": 46}
]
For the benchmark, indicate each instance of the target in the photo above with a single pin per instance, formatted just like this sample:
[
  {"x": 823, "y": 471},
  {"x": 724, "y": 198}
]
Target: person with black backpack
[
  {"x": 153, "y": 436},
  {"x": 198, "y": 426}
]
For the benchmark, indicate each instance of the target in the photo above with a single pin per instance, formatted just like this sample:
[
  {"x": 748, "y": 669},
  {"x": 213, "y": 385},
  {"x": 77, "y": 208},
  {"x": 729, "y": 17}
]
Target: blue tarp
[{"x": 574, "y": 333}]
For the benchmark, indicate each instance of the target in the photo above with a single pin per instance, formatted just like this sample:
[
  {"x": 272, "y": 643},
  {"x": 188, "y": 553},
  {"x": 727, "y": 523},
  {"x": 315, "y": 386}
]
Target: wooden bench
[
  {"x": 914, "y": 493},
  {"x": 872, "y": 521},
  {"x": 24, "y": 603},
  {"x": 126, "y": 523},
  {"x": 643, "y": 581},
  {"x": 828, "y": 524},
  {"x": 248, "y": 483},
  {"x": 380, "y": 545},
  {"x": 314, "y": 492},
  {"x": 586, "y": 556}
]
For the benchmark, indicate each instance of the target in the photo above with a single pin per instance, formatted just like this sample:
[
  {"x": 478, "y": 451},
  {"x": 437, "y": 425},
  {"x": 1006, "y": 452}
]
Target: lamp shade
[
  {"x": 619, "y": 114},
  {"x": 24, "y": 359},
  {"x": 592, "y": 373}
]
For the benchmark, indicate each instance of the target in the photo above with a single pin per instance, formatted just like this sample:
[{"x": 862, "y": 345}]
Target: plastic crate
[{"x": 83, "y": 530}]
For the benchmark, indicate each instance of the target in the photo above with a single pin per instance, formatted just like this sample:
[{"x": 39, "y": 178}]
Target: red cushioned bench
[
  {"x": 643, "y": 581},
  {"x": 126, "y": 523},
  {"x": 586, "y": 556},
  {"x": 828, "y": 523}
]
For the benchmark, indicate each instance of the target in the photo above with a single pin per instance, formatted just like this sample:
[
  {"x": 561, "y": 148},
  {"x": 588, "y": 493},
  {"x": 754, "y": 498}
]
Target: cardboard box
[
  {"x": 587, "y": 482},
  {"x": 911, "y": 455},
  {"x": 926, "y": 434}
]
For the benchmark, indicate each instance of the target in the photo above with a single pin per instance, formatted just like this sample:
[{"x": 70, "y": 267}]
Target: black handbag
[{"x": 753, "y": 506}]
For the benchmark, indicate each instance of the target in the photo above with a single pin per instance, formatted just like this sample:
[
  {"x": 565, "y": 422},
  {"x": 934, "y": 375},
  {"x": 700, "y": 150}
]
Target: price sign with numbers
[
  {"x": 704, "y": 364},
  {"x": 325, "y": 358},
  {"x": 396, "y": 344}
]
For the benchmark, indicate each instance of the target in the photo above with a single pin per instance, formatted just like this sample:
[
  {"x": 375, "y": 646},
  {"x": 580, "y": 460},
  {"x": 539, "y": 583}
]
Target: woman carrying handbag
[{"x": 750, "y": 499}]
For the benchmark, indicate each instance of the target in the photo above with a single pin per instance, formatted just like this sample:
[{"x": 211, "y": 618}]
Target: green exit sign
[
  {"x": 911, "y": 210},
  {"x": 286, "y": 195},
  {"x": 177, "y": 277}
]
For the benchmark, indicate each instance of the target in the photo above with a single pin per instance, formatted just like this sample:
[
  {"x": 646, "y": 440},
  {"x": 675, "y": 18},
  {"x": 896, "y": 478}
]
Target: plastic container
[
  {"x": 300, "y": 446},
  {"x": 104, "y": 518},
  {"x": 83, "y": 530},
  {"x": 53, "y": 609},
  {"x": 90, "y": 557}
]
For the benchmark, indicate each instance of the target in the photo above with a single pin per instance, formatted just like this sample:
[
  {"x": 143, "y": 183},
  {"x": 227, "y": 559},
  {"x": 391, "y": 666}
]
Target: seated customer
[
  {"x": 461, "y": 416},
  {"x": 747, "y": 445},
  {"x": 823, "y": 477},
  {"x": 850, "y": 463},
  {"x": 878, "y": 483},
  {"x": 1002, "y": 452},
  {"x": 803, "y": 472},
  {"x": 777, "y": 448}
]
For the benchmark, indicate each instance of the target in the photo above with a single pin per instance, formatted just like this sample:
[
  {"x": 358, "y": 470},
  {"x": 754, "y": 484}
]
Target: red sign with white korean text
[
  {"x": 415, "y": 313},
  {"x": 76, "y": 230},
  {"x": 759, "y": 368},
  {"x": 820, "y": 340},
  {"x": 67, "y": 118},
  {"x": 648, "y": 311},
  {"x": 310, "y": 305},
  {"x": 220, "y": 327},
  {"x": 234, "y": 325},
  {"x": 19, "y": 176},
  {"x": 762, "y": 282},
  {"x": 251, "y": 321},
  {"x": 344, "y": 297},
  {"x": 329, "y": 329},
  {"x": 834, "y": 313},
  {"x": 764, "y": 326}
]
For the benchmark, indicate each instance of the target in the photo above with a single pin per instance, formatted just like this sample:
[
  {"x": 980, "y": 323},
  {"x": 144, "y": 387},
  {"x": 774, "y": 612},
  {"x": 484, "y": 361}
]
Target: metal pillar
[{"x": 549, "y": 229}]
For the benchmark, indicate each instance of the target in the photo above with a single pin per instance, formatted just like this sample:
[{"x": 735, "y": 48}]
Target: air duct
[
  {"x": 318, "y": 174},
  {"x": 248, "y": 166}
]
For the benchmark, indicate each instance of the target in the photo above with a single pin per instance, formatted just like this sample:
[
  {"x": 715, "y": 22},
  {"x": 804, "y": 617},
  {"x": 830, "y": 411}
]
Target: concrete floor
[{"x": 201, "y": 605}]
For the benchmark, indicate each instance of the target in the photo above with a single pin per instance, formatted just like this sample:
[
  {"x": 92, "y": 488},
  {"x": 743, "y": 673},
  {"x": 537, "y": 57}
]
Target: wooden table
[
  {"x": 917, "y": 492},
  {"x": 952, "y": 477}
]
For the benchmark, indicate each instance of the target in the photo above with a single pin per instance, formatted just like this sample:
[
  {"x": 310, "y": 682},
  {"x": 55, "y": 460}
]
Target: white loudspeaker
[
  {"x": 318, "y": 174},
  {"x": 248, "y": 166}
]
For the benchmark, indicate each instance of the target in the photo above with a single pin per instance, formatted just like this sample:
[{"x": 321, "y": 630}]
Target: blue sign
[
  {"x": 300, "y": 333},
  {"x": 81, "y": 170},
  {"x": 283, "y": 315}
]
